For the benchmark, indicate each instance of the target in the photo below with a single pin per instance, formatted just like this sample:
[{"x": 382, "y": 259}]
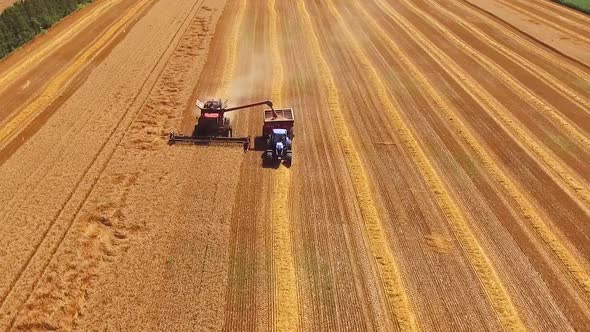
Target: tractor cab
[
  {"x": 280, "y": 141},
  {"x": 278, "y": 131},
  {"x": 279, "y": 147},
  {"x": 280, "y": 136}
]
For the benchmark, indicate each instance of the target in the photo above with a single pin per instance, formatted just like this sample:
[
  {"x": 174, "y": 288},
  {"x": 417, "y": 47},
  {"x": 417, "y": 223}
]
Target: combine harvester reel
[{"x": 214, "y": 128}]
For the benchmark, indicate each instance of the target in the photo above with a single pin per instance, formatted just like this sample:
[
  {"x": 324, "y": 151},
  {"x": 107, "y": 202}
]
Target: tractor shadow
[{"x": 273, "y": 165}]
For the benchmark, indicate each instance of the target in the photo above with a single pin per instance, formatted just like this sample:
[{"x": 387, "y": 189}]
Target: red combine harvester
[{"x": 213, "y": 127}]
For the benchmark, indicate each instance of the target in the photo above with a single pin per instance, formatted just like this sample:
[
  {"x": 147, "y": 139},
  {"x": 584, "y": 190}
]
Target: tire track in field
[
  {"x": 286, "y": 310},
  {"x": 575, "y": 187},
  {"x": 564, "y": 9},
  {"x": 33, "y": 181},
  {"x": 153, "y": 76},
  {"x": 42, "y": 168},
  {"x": 500, "y": 300},
  {"x": 538, "y": 18},
  {"x": 581, "y": 101},
  {"x": 52, "y": 91},
  {"x": 508, "y": 79},
  {"x": 538, "y": 6},
  {"x": 331, "y": 296},
  {"x": 46, "y": 51},
  {"x": 398, "y": 303},
  {"x": 38, "y": 175},
  {"x": 540, "y": 51},
  {"x": 229, "y": 66},
  {"x": 160, "y": 80},
  {"x": 106, "y": 38},
  {"x": 241, "y": 304},
  {"x": 516, "y": 192},
  {"x": 537, "y": 42}
]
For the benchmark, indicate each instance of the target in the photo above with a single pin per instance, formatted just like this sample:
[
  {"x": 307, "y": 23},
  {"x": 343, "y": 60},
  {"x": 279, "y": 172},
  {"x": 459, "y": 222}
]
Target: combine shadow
[
  {"x": 195, "y": 131},
  {"x": 259, "y": 143}
]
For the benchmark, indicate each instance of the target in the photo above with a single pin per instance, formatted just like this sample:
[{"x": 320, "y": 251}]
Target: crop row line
[
  {"x": 45, "y": 51},
  {"x": 131, "y": 14},
  {"x": 557, "y": 7},
  {"x": 286, "y": 311},
  {"x": 529, "y": 211},
  {"x": 576, "y": 189},
  {"x": 545, "y": 51},
  {"x": 508, "y": 79},
  {"x": 229, "y": 65},
  {"x": 563, "y": 29},
  {"x": 551, "y": 81},
  {"x": 54, "y": 88},
  {"x": 395, "y": 293},
  {"x": 459, "y": 224},
  {"x": 540, "y": 6}
]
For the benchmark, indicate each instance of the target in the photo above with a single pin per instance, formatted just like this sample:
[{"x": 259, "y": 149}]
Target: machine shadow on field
[{"x": 274, "y": 165}]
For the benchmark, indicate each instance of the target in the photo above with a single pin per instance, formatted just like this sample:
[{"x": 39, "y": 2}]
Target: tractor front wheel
[{"x": 267, "y": 157}]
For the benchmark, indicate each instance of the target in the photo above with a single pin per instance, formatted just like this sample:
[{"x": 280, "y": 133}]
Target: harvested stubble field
[{"x": 440, "y": 179}]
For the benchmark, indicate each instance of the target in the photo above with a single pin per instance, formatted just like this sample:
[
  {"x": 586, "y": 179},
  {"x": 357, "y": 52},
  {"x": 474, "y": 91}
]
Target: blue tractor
[
  {"x": 278, "y": 147},
  {"x": 278, "y": 132}
]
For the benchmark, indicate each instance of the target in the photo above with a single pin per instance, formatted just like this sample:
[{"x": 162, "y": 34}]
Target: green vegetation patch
[
  {"x": 581, "y": 5},
  {"x": 26, "y": 19},
  {"x": 583, "y": 84}
]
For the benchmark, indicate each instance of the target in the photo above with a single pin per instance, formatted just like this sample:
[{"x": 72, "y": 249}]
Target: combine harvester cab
[{"x": 278, "y": 134}]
